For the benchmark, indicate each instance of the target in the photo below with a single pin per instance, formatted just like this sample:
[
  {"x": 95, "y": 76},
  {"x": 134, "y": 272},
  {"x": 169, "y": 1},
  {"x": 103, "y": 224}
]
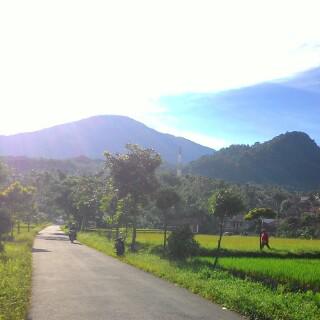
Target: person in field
[{"x": 264, "y": 239}]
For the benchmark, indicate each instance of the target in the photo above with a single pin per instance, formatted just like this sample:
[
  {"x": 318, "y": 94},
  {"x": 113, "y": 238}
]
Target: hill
[
  {"x": 91, "y": 137},
  {"x": 291, "y": 159}
]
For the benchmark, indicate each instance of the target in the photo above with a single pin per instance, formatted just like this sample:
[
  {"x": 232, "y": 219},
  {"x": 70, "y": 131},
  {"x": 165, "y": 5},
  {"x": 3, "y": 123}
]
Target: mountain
[
  {"x": 291, "y": 159},
  {"x": 91, "y": 137}
]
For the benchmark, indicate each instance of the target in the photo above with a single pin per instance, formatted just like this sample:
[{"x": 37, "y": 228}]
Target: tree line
[{"x": 131, "y": 192}]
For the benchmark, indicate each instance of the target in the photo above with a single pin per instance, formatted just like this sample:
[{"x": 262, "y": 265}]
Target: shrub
[{"x": 181, "y": 243}]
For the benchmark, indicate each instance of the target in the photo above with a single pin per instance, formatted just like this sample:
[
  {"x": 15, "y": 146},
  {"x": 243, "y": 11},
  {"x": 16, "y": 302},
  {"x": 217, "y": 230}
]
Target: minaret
[{"x": 179, "y": 163}]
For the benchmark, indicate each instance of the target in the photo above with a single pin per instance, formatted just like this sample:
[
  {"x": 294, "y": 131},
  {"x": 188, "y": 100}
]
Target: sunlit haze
[{"x": 62, "y": 61}]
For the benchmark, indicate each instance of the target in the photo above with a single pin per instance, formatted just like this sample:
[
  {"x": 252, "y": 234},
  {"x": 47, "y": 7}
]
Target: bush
[{"x": 181, "y": 243}]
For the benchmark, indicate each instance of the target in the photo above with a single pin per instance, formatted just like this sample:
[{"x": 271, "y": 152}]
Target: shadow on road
[
  {"x": 62, "y": 238},
  {"x": 40, "y": 250},
  {"x": 78, "y": 243}
]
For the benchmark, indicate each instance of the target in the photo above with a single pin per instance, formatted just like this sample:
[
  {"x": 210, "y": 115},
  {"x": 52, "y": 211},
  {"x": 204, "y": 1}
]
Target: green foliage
[
  {"x": 260, "y": 213},
  {"x": 4, "y": 173},
  {"x": 5, "y": 223},
  {"x": 181, "y": 243},
  {"x": 166, "y": 198},
  {"x": 18, "y": 200},
  {"x": 225, "y": 203},
  {"x": 75, "y": 166},
  {"x": 133, "y": 175},
  {"x": 15, "y": 275},
  {"x": 290, "y": 160}
]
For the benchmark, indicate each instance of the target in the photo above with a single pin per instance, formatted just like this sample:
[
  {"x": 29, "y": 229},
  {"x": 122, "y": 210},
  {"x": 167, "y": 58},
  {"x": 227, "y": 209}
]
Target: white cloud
[
  {"x": 65, "y": 60},
  {"x": 203, "y": 139}
]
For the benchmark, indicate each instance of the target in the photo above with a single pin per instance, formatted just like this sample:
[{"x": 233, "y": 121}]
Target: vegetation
[
  {"x": 181, "y": 243},
  {"x": 290, "y": 160},
  {"x": 259, "y": 214},
  {"x": 17, "y": 205},
  {"x": 166, "y": 200},
  {"x": 15, "y": 275},
  {"x": 5, "y": 226},
  {"x": 132, "y": 193},
  {"x": 240, "y": 244},
  {"x": 292, "y": 274},
  {"x": 19, "y": 202},
  {"x": 75, "y": 166},
  {"x": 133, "y": 175},
  {"x": 223, "y": 204}
]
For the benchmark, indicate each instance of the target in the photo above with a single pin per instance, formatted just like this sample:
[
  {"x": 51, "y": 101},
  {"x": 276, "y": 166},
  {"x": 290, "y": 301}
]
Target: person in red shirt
[{"x": 264, "y": 239}]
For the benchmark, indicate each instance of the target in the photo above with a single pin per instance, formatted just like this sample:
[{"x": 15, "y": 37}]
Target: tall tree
[
  {"x": 166, "y": 199},
  {"x": 224, "y": 204},
  {"x": 18, "y": 199},
  {"x": 5, "y": 225},
  {"x": 258, "y": 214},
  {"x": 133, "y": 174},
  {"x": 3, "y": 173},
  {"x": 85, "y": 200},
  {"x": 278, "y": 198}
]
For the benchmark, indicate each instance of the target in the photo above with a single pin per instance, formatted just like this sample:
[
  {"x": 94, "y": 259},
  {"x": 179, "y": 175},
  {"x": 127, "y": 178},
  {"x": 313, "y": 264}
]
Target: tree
[
  {"x": 18, "y": 199},
  {"x": 133, "y": 174},
  {"x": 166, "y": 199},
  {"x": 278, "y": 198},
  {"x": 3, "y": 173},
  {"x": 258, "y": 214},
  {"x": 224, "y": 204},
  {"x": 181, "y": 243},
  {"x": 112, "y": 207},
  {"x": 85, "y": 200},
  {"x": 5, "y": 225}
]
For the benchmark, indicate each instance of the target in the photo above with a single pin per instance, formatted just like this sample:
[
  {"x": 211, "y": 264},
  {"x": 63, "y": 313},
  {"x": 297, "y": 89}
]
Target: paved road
[{"x": 74, "y": 282}]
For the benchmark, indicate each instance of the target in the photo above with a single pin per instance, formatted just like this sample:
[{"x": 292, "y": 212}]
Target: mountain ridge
[
  {"x": 92, "y": 136},
  {"x": 289, "y": 159}
]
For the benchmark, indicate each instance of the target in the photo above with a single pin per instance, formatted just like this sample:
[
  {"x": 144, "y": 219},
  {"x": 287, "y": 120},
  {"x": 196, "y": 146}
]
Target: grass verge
[
  {"x": 15, "y": 275},
  {"x": 249, "y": 298}
]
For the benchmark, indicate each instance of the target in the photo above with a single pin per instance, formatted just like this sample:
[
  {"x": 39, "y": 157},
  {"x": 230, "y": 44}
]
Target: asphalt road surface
[{"x": 74, "y": 282}]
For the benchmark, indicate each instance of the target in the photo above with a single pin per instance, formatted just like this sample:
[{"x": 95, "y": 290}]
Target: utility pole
[{"x": 179, "y": 163}]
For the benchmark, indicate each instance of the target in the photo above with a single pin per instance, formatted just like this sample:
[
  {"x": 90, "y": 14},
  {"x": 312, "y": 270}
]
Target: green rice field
[
  {"x": 240, "y": 243},
  {"x": 294, "y": 274}
]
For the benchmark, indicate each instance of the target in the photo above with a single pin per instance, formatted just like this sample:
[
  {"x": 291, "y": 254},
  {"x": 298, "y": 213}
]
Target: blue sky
[
  {"x": 172, "y": 64},
  {"x": 250, "y": 114}
]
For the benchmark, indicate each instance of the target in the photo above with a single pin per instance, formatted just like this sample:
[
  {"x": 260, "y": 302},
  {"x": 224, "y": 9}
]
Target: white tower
[{"x": 179, "y": 163}]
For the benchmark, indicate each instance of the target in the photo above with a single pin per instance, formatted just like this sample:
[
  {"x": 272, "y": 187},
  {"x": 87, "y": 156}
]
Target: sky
[{"x": 62, "y": 61}]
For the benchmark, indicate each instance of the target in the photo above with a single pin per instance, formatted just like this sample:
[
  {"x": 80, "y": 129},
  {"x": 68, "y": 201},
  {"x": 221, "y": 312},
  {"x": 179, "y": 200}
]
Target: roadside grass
[
  {"x": 250, "y": 298},
  {"x": 15, "y": 275}
]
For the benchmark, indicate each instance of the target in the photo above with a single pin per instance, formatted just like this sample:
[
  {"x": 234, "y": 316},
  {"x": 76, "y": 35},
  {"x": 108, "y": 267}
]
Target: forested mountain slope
[{"x": 291, "y": 159}]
